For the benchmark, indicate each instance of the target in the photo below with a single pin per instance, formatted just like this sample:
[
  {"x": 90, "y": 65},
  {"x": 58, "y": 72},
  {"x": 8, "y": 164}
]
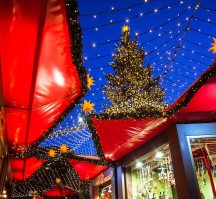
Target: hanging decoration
[
  {"x": 132, "y": 88},
  {"x": 213, "y": 48},
  {"x": 58, "y": 180},
  {"x": 63, "y": 148},
  {"x": 90, "y": 81},
  {"x": 52, "y": 153},
  {"x": 87, "y": 107}
]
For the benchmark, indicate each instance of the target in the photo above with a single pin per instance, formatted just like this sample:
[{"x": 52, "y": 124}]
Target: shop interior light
[
  {"x": 139, "y": 164},
  {"x": 102, "y": 194},
  {"x": 110, "y": 190},
  {"x": 159, "y": 154}
]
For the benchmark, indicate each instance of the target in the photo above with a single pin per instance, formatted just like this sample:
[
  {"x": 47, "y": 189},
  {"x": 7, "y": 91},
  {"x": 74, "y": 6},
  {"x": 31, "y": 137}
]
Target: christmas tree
[{"x": 132, "y": 89}]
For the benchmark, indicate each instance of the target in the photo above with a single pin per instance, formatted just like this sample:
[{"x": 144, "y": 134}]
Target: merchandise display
[
  {"x": 204, "y": 156},
  {"x": 152, "y": 176},
  {"x": 105, "y": 192}
]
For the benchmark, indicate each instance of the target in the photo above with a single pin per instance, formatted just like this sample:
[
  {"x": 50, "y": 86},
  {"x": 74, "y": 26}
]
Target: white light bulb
[{"x": 139, "y": 164}]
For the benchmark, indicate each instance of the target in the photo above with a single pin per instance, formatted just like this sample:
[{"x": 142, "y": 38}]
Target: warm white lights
[
  {"x": 80, "y": 119},
  {"x": 159, "y": 154},
  {"x": 139, "y": 164}
]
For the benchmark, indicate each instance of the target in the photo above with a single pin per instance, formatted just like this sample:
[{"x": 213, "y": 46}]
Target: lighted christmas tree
[{"x": 132, "y": 89}]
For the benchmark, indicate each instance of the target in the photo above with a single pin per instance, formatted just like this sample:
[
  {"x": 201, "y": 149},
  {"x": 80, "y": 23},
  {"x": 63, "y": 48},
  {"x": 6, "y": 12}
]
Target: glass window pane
[
  {"x": 152, "y": 176},
  {"x": 204, "y": 156}
]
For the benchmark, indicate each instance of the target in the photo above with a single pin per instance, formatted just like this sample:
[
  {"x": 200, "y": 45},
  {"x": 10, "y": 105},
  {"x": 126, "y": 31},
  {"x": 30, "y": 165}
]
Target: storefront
[
  {"x": 178, "y": 163},
  {"x": 152, "y": 176},
  {"x": 103, "y": 185}
]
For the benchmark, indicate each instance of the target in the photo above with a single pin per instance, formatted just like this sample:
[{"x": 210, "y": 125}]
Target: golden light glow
[
  {"x": 90, "y": 81},
  {"x": 51, "y": 153},
  {"x": 87, "y": 106},
  {"x": 58, "y": 180},
  {"x": 213, "y": 48},
  {"x": 63, "y": 148}
]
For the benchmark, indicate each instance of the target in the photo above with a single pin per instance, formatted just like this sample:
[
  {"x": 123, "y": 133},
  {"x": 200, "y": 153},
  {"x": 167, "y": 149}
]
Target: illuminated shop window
[
  {"x": 152, "y": 176},
  {"x": 105, "y": 191},
  {"x": 204, "y": 156}
]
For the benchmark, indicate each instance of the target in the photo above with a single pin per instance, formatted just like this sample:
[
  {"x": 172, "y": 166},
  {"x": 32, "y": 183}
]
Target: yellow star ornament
[
  {"x": 63, "y": 148},
  {"x": 87, "y": 106},
  {"x": 51, "y": 153},
  {"x": 125, "y": 29},
  {"x": 213, "y": 48},
  {"x": 90, "y": 81},
  {"x": 58, "y": 180}
]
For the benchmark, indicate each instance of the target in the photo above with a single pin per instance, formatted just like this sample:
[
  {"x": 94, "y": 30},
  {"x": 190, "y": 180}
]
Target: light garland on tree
[{"x": 132, "y": 89}]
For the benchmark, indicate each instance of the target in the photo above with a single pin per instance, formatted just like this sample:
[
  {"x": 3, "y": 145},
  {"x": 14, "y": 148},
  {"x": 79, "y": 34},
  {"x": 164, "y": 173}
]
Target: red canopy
[
  {"x": 129, "y": 134},
  {"x": 39, "y": 78}
]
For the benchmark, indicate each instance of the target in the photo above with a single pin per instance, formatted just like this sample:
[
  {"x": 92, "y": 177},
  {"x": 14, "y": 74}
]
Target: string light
[{"x": 133, "y": 17}]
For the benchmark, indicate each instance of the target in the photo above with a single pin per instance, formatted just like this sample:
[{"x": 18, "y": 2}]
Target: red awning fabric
[
  {"x": 60, "y": 192},
  {"x": 24, "y": 168},
  {"x": 39, "y": 78},
  {"x": 86, "y": 170},
  {"x": 129, "y": 134}
]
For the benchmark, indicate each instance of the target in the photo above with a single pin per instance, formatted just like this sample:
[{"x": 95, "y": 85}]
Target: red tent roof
[{"x": 131, "y": 133}]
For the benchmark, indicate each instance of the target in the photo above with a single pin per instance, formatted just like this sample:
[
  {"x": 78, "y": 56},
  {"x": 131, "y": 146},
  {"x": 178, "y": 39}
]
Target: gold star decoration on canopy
[
  {"x": 58, "y": 180},
  {"x": 90, "y": 81},
  {"x": 213, "y": 48},
  {"x": 87, "y": 106},
  {"x": 63, "y": 148},
  {"x": 51, "y": 153},
  {"x": 125, "y": 29}
]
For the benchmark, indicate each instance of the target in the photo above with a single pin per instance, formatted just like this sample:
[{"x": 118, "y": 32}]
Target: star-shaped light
[
  {"x": 90, "y": 81},
  {"x": 63, "y": 148},
  {"x": 125, "y": 29},
  {"x": 87, "y": 106},
  {"x": 51, "y": 153},
  {"x": 213, "y": 48}
]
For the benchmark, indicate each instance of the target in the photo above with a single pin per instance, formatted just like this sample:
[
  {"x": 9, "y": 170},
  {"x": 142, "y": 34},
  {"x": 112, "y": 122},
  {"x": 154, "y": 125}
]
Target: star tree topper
[{"x": 125, "y": 28}]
